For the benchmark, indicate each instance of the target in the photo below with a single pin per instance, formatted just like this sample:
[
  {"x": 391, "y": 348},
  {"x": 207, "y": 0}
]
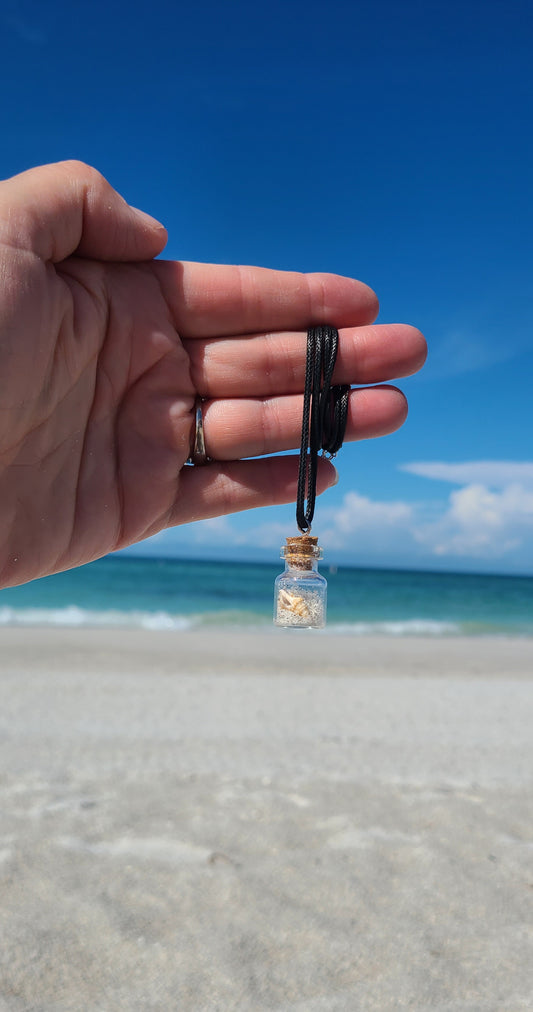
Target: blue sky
[{"x": 384, "y": 140}]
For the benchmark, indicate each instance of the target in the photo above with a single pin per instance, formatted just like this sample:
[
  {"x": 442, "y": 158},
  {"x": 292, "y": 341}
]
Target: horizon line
[{"x": 124, "y": 553}]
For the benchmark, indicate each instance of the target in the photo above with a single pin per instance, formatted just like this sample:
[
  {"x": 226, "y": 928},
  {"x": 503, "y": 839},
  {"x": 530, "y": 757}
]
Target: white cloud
[
  {"x": 492, "y": 473},
  {"x": 462, "y": 351},
  {"x": 270, "y": 535},
  {"x": 369, "y": 522},
  {"x": 490, "y": 517},
  {"x": 214, "y": 529},
  {"x": 475, "y": 521},
  {"x": 229, "y": 531},
  {"x": 358, "y": 512},
  {"x": 481, "y": 523}
]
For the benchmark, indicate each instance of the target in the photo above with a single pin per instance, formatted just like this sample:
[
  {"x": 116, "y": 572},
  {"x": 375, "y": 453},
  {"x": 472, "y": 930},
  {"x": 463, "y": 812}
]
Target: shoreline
[{"x": 220, "y": 651}]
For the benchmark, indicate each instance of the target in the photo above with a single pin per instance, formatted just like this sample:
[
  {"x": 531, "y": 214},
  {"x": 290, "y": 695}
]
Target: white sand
[{"x": 281, "y": 821}]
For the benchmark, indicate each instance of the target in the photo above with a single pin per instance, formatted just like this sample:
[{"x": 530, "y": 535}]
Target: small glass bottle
[{"x": 300, "y": 592}]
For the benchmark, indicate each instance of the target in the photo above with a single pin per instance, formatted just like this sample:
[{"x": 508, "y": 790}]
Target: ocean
[{"x": 157, "y": 594}]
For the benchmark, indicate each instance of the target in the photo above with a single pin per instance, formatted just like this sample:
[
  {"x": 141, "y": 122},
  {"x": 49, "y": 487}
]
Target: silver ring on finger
[{"x": 199, "y": 455}]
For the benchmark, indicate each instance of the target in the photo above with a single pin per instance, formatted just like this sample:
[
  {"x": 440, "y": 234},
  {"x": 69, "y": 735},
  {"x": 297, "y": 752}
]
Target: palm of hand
[{"x": 102, "y": 408}]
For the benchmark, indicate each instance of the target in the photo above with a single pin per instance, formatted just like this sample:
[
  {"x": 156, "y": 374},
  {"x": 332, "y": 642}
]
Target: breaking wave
[{"x": 73, "y": 617}]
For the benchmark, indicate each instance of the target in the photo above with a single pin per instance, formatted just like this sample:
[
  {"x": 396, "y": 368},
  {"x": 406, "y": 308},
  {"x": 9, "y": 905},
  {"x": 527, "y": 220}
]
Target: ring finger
[
  {"x": 275, "y": 363},
  {"x": 252, "y": 427}
]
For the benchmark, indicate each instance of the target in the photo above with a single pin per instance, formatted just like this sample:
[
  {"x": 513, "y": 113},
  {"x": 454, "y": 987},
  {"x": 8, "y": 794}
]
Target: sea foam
[{"x": 74, "y": 617}]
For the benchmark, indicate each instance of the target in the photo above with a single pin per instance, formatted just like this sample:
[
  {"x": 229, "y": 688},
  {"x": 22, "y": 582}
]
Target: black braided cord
[{"x": 324, "y": 417}]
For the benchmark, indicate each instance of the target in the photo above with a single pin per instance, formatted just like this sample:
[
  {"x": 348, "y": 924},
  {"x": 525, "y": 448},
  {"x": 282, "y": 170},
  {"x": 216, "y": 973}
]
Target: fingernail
[
  {"x": 336, "y": 481},
  {"x": 147, "y": 219}
]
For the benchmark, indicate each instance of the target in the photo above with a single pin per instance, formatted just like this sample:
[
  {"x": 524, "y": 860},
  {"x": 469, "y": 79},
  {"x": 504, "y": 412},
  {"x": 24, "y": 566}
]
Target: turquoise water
[{"x": 174, "y": 594}]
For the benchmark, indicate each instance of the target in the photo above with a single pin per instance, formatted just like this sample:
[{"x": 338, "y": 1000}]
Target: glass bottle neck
[{"x": 301, "y": 569}]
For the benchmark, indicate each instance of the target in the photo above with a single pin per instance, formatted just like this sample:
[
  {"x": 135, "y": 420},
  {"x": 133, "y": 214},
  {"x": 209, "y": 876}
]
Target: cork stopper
[{"x": 301, "y": 551}]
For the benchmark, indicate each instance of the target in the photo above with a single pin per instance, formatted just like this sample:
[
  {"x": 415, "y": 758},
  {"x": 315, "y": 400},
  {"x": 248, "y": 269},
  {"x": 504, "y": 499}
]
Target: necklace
[{"x": 300, "y": 592}]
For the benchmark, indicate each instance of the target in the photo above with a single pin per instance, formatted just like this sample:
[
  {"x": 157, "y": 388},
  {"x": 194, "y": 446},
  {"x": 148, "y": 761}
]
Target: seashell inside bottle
[{"x": 300, "y": 592}]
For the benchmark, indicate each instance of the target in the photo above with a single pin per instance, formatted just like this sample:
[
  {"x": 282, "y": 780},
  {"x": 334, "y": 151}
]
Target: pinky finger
[{"x": 217, "y": 489}]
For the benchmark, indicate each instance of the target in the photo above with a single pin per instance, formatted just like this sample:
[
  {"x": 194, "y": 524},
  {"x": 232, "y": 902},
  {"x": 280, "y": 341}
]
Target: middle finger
[{"x": 263, "y": 365}]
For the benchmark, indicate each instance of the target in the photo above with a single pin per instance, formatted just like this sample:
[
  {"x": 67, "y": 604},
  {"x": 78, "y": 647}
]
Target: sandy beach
[{"x": 284, "y": 821}]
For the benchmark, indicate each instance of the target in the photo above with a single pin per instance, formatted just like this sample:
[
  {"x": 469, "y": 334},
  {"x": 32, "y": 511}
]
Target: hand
[{"x": 103, "y": 351}]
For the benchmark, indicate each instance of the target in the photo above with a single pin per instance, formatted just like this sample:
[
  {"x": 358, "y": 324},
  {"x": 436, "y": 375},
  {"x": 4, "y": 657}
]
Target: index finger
[{"x": 211, "y": 300}]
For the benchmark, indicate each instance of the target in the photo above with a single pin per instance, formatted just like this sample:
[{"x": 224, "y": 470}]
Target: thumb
[{"x": 57, "y": 210}]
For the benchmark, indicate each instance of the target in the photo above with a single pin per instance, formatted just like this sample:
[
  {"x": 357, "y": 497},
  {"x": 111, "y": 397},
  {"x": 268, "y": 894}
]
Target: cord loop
[{"x": 325, "y": 412}]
